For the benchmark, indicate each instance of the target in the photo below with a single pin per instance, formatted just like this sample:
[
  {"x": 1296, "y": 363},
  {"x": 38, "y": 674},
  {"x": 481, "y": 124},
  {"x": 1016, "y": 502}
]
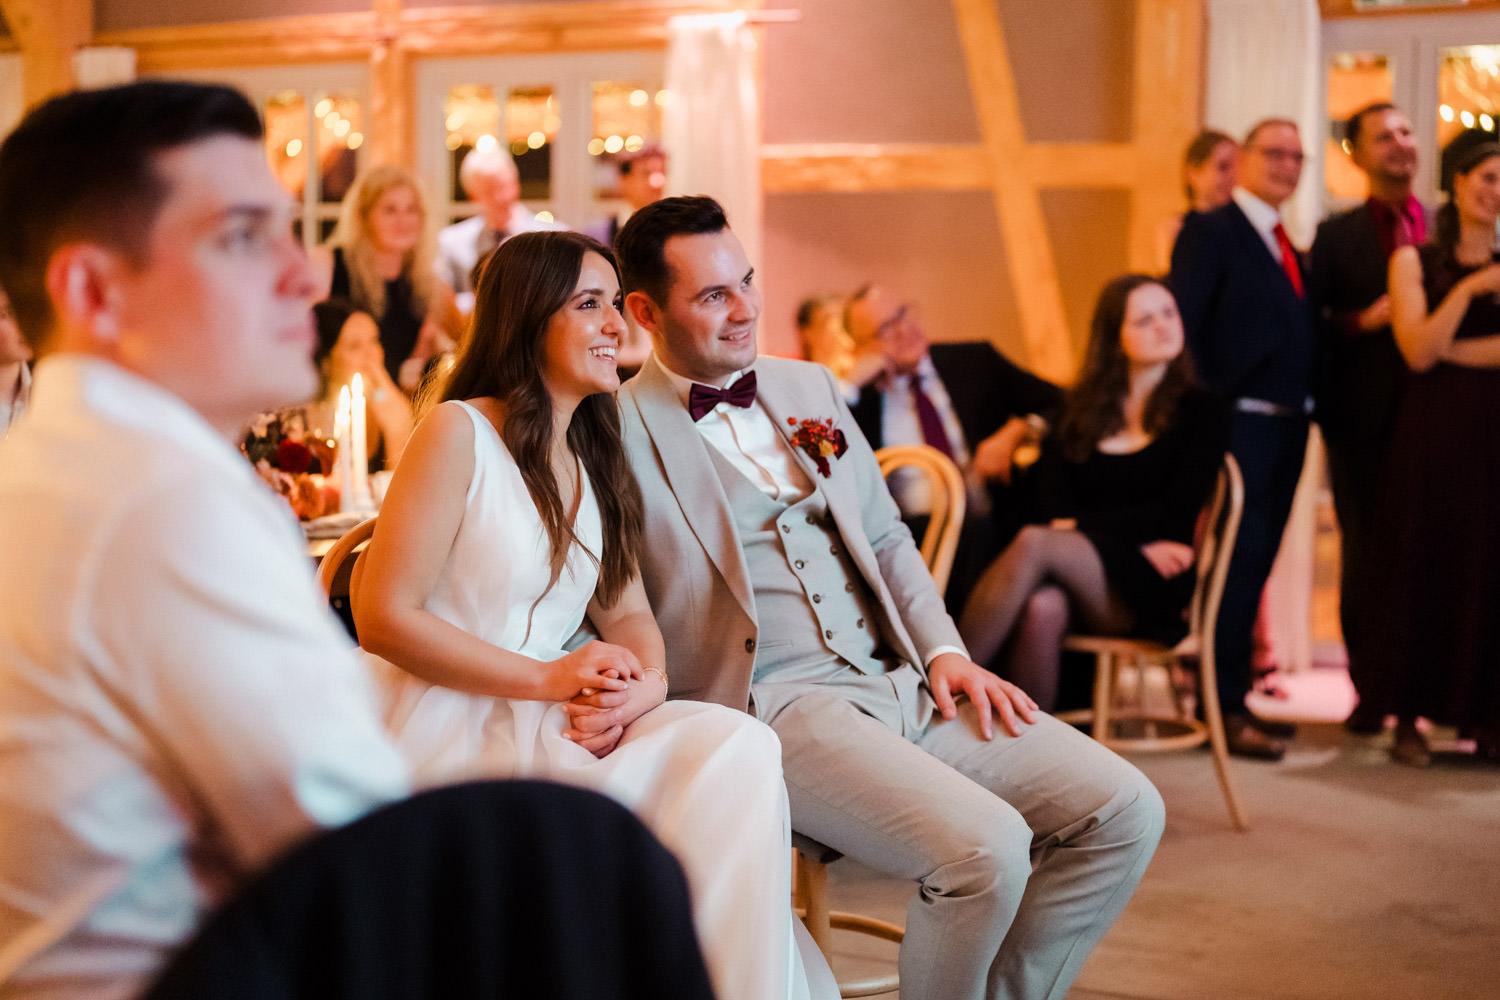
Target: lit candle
[
  {"x": 359, "y": 451},
  {"x": 342, "y": 451}
]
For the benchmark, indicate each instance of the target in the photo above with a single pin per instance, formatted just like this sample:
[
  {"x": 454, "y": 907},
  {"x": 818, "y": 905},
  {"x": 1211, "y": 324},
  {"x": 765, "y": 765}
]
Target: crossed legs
[{"x": 1024, "y": 598}]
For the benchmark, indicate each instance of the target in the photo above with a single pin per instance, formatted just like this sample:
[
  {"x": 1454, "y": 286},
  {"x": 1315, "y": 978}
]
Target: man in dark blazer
[
  {"x": 1361, "y": 370},
  {"x": 984, "y": 406},
  {"x": 786, "y": 585},
  {"x": 1240, "y": 287}
]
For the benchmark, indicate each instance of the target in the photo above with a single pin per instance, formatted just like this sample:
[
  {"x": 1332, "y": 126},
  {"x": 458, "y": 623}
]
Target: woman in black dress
[
  {"x": 1118, "y": 490},
  {"x": 1437, "y": 596}
]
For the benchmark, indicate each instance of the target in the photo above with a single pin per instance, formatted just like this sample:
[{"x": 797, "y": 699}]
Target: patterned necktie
[
  {"x": 703, "y": 398},
  {"x": 1289, "y": 259},
  {"x": 933, "y": 432}
]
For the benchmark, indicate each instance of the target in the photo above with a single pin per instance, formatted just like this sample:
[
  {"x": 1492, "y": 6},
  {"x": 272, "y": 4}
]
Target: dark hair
[
  {"x": 1355, "y": 125},
  {"x": 1198, "y": 152},
  {"x": 80, "y": 167},
  {"x": 523, "y": 285},
  {"x": 641, "y": 243},
  {"x": 1095, "y": 408},
  {"x": 1463, "y": 154},
  {"x": 855, "y": 297},
  {"x": 329, "y": 317},
  {"x": 808, "y": 308},
  {"x": 649, "y": 151}
]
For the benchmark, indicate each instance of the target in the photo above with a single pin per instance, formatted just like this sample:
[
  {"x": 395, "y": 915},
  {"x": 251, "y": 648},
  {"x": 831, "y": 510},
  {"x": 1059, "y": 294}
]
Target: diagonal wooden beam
[
  {"x": 1018, "y": 202},
  {"x": 1168, "y": 65},
  {"x": 49, "y": 32}
]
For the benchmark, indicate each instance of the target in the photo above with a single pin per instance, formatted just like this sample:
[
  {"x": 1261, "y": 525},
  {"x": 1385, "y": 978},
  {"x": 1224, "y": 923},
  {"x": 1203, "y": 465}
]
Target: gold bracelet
[{"x": 663, "y": 675}]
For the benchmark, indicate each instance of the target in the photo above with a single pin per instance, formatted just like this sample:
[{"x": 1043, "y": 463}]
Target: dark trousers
[
  {"x": 472, "y": 892},
  {"x": 1270, "y": 451},
  {"x": 1354, "y": 470}
]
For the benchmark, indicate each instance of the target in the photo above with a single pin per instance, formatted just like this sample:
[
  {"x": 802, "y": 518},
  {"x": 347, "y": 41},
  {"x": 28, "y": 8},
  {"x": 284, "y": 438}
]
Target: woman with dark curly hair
[{"x": 1118, "y": 489}]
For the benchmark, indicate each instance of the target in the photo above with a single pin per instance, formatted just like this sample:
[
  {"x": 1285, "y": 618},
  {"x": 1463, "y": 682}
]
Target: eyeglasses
[{"x": 1280, "y": 155}]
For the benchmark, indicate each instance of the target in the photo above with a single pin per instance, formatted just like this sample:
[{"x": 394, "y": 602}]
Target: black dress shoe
[
  {"x": 1410, "y": 747},
  {"x": 1365, "y": 721},
  {"x": 1245, "y": 740},
  {"x": 1271, "y": 727}
]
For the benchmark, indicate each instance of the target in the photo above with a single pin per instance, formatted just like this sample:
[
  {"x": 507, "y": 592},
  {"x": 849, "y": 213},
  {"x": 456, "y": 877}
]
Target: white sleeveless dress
[{"x": 705, "y": 779}]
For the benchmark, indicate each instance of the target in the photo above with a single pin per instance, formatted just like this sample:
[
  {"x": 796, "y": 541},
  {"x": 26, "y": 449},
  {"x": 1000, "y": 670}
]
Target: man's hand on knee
[{"x": 949, "y": 675}]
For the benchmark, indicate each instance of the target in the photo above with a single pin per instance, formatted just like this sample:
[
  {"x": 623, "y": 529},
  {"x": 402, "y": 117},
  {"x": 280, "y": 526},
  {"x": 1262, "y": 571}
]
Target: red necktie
[
  {"x": 933, "y": 431},
  {"x": 1289, "y": 259}
]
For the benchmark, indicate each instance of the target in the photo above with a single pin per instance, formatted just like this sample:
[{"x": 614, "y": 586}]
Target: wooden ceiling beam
[{"x": 48, "y": 33}]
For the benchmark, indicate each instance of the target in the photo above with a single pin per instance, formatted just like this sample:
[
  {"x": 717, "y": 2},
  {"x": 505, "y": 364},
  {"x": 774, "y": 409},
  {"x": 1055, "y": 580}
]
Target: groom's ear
[{"x": 644, "y": 311}]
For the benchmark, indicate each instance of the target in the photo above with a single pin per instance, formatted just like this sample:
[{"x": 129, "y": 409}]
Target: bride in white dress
[{"x": 513, "y": 514}]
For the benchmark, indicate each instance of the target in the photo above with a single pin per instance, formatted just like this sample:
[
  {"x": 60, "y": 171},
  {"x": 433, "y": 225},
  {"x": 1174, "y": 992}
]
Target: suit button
[
  {"x": 860, "y": 623},
  {"x": 833, "y": 550},
  {"x": 848, "y": 588},
  {"x": 817, "y": 598},
  {"x": 828, "y": 633},
  {"x": 786, "y": 529},
  {"x": 800, "y": 563},
  {"x": 749, "y": 645},
  {"x": 811, "y": 519}
]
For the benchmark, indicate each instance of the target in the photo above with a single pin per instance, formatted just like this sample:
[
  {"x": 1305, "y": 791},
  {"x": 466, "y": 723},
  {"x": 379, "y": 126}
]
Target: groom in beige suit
[{"x": 786, "y": 585}]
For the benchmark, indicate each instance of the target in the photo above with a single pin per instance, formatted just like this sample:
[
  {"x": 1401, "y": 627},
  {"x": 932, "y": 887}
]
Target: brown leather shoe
[
  {"x": 1245, "y": 740},
  {"x": 1410, "y": 747}
]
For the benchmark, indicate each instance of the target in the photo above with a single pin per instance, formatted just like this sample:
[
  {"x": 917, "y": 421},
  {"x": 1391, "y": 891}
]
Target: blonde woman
[{"x": 380, "y": 258}]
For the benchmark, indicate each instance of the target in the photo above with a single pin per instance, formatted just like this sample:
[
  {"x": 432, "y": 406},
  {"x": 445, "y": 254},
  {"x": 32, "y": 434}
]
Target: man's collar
[
  {"x": 1262, "y": 215},
  {"x": 924, "y": 370}
]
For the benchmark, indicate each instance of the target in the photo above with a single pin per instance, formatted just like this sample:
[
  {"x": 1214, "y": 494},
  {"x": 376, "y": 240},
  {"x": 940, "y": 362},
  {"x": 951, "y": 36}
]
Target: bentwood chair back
[
  {"x": 1137, "y": 729},
  {"x": 337, "y": 567},
  {"x": 949, "y": 501}
]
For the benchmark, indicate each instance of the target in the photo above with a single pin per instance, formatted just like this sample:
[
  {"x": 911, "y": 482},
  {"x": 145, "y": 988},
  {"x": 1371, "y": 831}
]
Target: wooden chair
[
  {"x": 337, "y": 566},
  {"x": 949, "y": 501},
  {"x": 1137, "y": 729},
  {"x": 937, "y": 545}
]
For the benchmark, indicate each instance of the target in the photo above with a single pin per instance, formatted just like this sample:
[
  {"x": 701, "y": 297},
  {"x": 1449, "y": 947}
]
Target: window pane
[
  {"x": 472, "y": 117},
  {"x": 339, "y": 133},
  {"x": 286, "y": 131},
  {"x": 531, "y": 122},
  {"x": 1468, "y": 93},
  {"x": 627, "y": 116},
  {"x": 1355, "y": 80}
]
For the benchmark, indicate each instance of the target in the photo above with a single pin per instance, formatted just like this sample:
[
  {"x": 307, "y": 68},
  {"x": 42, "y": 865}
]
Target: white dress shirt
[
  {"x": 177, "y": 704},
  {"x": 1265, "y": 218},
  {"x": 749, "y": 438}
]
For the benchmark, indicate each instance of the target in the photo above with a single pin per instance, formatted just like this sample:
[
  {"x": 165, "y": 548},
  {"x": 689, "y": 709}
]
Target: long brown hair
[
  {"x": 1095, "y": 408},
  {"x": 521, "y": 287}
]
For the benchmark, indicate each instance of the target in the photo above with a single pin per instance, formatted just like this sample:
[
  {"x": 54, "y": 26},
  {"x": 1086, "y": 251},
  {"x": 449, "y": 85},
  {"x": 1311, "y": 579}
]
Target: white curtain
[
  {"x": 104, "y": 66},
  {"x": 711, "y": 126},
  {"x": 1263, "y": 61}
]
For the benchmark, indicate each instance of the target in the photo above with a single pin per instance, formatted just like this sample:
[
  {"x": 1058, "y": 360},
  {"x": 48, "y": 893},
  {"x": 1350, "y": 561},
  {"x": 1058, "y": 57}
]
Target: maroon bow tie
[{"x": 702, "y": 398}]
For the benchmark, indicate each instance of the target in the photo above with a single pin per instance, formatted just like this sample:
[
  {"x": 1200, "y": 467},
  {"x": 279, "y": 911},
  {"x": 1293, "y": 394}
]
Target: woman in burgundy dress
[{"x": 1438, "y": 595}]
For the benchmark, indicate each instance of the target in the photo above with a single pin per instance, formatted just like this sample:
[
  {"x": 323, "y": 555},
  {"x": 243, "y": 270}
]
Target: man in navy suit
[
  {"x": 1361, "y": 370},
  {"x": 1240, "y": 287}
]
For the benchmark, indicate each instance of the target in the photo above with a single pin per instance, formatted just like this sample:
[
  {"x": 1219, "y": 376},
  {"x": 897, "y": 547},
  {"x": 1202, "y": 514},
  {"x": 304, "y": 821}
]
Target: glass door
[
  {"x": 565, "y": 119},
  {"x": 1443, "y": 70}
]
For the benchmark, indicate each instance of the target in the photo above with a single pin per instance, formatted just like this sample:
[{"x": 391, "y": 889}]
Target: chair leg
[
  {"x": 1104, "y": 695},
  {"x": 812, "y": 900},
  {"x": 1215, "y": 721}
]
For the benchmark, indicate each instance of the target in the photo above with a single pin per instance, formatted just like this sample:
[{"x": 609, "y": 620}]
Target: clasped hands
[{"x": 602, "y": 701}]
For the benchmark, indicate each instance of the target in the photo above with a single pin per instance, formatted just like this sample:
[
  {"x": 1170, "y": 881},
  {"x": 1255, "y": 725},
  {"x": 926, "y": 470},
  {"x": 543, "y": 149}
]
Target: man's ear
[
  {"x": 81, "y": 284},
  {"x": 645, "y": 313}
]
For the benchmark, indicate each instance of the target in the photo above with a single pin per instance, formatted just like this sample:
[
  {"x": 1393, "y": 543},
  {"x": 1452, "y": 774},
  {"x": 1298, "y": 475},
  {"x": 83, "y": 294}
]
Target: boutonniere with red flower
[{"x": 820, "y": 439}]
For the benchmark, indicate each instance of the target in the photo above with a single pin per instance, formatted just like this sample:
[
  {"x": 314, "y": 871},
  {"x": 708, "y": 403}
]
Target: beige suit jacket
[{"x": 694, "y": 566}]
